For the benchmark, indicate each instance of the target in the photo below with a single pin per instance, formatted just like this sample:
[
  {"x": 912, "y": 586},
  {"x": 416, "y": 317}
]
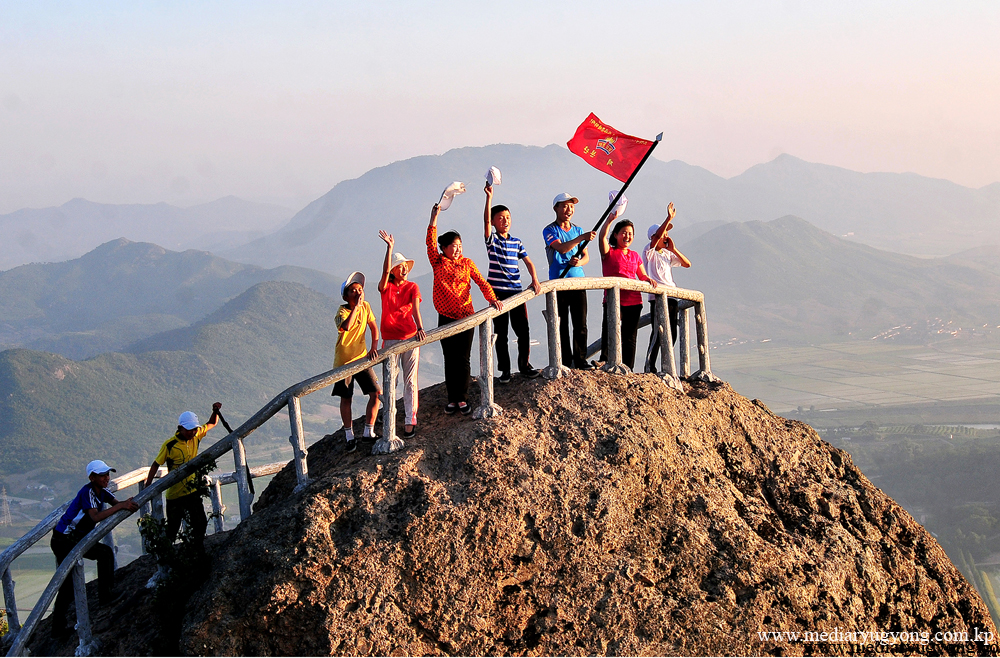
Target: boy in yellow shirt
[
  {"x": 352, "y": 320},
  {"x": 184, "y": 498}
]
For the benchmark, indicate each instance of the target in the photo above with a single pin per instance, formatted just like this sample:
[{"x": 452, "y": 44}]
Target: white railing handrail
[{"x": 280, "y": 401}]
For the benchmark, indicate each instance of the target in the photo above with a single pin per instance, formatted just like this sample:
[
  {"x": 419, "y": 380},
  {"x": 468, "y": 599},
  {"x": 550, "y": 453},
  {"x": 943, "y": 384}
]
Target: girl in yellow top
[{"x": 352, "y": 320}]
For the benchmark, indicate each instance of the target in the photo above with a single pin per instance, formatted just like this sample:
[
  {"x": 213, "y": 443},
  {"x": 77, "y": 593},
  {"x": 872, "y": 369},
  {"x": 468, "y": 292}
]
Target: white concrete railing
[{"x": 150, "y": 498}]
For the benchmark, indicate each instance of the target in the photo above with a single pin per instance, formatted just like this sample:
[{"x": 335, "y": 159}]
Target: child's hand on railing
[
  {"x": 498, "y": 305},
  {"x": 421, "y": 334},
  {"x": 373, "y": 353}
]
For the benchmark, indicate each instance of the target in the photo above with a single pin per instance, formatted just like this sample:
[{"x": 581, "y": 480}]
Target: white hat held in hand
[
  {"x": 493, "y": 177},
  {"x": 99, "y": 467},
  {"x": 450, "y": 193},
  {"x": 619, "y": 208}
]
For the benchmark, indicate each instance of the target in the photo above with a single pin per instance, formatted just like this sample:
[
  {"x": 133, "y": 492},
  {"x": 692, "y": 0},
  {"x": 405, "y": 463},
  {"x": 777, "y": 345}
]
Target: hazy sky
[{"x": 185, "y": 102}]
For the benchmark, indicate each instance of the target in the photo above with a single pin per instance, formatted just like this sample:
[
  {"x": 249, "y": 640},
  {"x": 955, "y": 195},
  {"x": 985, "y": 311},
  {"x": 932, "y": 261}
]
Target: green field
[{"x": 948, "y": 381}]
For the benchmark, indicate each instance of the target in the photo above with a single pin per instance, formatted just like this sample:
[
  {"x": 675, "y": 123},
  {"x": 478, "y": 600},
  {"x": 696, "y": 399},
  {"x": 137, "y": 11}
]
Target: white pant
[{"x": 407, "y": 363}]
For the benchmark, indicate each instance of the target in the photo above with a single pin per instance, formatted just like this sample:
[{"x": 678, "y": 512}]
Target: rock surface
[{"x": 597, "y": 515}]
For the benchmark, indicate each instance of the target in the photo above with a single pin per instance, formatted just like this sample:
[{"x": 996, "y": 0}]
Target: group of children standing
[{"x": 453, "y": 278}]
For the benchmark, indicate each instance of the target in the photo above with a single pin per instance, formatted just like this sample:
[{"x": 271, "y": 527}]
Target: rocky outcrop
[{"x": 597, "y": 515}]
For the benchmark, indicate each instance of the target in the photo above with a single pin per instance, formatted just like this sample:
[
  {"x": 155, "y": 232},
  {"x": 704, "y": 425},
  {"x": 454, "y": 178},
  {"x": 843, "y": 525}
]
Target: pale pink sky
[{"x": 178, "y": 102}]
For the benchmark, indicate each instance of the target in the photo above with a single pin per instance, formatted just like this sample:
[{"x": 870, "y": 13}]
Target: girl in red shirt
[
  {"x": 618, "y": 260},
  {"x": 401, "y": 321},
  {"x": 453, "y": 274}
]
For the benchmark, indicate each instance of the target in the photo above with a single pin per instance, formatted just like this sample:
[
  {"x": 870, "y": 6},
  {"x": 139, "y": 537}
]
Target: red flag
[{"x": 613, "y": 152}]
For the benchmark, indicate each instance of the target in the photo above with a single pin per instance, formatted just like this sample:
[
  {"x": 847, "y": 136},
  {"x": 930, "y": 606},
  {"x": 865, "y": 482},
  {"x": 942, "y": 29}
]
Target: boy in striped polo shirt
[{"x": 504, "y": 250}]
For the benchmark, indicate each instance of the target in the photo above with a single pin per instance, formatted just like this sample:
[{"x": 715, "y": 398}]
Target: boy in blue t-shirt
[
  {"x": 561, "y": 241},
  {"x": 85, "y": 512},
  {"x": 504, "y": 250}
]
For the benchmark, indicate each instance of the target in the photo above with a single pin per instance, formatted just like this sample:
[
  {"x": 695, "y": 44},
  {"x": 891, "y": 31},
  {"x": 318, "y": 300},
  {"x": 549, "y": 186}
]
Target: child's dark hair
[
  {"x": 448, "y": 238},
  {"x": 497, "y": 209},
  {"x": 618, "y": 227}
]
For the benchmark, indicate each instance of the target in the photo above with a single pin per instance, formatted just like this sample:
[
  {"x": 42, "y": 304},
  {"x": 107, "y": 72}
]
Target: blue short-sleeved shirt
[
  {"x": 557, "y": 261},
  {"x": 76, "y": 517},
  {"x": 504, "y": 253}
]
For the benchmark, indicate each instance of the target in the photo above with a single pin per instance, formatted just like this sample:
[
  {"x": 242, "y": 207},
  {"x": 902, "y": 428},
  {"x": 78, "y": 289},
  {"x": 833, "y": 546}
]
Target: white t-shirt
[{"x": 658, "y": 264}]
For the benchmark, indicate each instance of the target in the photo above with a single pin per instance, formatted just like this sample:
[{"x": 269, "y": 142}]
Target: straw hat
[{"x": 399, "y": 259}]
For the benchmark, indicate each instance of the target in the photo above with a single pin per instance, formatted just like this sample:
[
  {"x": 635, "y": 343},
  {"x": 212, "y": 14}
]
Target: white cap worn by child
[
  {"x": 188, "y": 420},
  {"x": 99, "y": 467}
]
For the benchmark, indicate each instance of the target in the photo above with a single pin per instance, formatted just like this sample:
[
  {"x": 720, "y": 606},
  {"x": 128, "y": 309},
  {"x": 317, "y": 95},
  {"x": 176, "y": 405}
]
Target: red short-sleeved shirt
[
  {"x": 620, "y": 263},
  {"x": 397, "y": 310}
]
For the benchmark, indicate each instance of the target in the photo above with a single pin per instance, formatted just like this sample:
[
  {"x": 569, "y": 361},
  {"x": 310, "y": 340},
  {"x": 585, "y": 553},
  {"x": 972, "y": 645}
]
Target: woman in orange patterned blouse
[{"x": 453, "y": 275}]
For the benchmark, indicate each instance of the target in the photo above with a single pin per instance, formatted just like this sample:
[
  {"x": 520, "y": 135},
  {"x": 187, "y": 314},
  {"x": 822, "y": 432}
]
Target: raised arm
[
  {"x": 602, "y": 237},
  {"x": 670, "y": 246},
  {"x": 432, "y": 251},
  {"x": 389, "y": 243},
  {"x": 661, "y": 232},
  {"x": 486, "y": 213}
]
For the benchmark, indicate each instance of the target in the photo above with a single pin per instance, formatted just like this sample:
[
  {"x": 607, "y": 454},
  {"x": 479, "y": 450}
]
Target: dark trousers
[
  {"x": 519, "y": 323},
  {"x": 654, "y": 336},
  {"x": 191, "y": 508},
  {"x": 457, "y": 352},
  {"x": 630, "y": 329},
  {"x": 61, "y": 545},
  {"x": 573, "y": 304}
]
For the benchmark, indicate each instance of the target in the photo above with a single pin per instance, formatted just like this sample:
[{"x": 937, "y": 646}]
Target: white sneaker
[{"x": 158, "y": 577}]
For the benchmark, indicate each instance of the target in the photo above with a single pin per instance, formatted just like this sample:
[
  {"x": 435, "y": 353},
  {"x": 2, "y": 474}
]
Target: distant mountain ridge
[
  {"x": 122, "y": 292},
  {"x": 68, "y": 231},
  {"x": 338, "y": 232}
]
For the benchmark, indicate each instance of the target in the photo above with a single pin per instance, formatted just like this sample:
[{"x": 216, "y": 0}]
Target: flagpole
[{"x": 583, "y": 245}]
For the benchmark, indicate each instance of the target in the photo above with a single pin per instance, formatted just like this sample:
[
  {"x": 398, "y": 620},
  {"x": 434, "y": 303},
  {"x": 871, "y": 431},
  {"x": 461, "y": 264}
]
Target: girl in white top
[{"x": 659, "y": 256}]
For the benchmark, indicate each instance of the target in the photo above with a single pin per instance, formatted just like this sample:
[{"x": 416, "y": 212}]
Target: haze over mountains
[
  {"x": 907, "y": 213},
  {"x": 49, "y": 235}
]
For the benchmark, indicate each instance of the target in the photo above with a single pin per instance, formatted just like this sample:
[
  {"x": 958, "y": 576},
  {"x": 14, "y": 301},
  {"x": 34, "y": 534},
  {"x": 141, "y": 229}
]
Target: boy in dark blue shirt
[{"x": 85, "y": 512}]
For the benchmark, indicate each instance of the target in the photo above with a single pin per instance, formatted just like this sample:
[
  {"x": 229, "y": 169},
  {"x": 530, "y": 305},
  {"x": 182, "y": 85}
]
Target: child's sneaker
[
  {"x": 504, "y": 377},
  {"x": 530, "y": 373},
  {"x": 352, "y": 445},
  {"x": 465, "y": 408}
]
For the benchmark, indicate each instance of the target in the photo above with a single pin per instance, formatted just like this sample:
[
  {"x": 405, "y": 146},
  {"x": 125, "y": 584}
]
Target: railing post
[
  {"x": 13, "y": 623},
  {"x": 701, "y": 323},
  {"x": 614, "y": 363},
  {"x": 242, "y": 483},
  {"x": 156, "y": 506},
  {"x": 82, "y": 611},
  {"x": 298, "y": 441},
  {"x": 684, "y": 338},
  {"x": 218, "y": 509},
  {"x": 555, "y": 369},
  {"x": 487, "y": 408},
  {"x": 389, "y": 441},
  {"x": 661, "y": 324}
]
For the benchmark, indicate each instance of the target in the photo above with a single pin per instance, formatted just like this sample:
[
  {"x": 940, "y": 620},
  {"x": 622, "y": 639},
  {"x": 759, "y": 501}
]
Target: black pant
[
  {"x": 654, "y": 336},
  {"x": 190, "y": 507},
  {"x": 61, "y": 545},
  {"x": 457, "y": 352},
  {"x": 573, "y": 304},
  {"x": 519, "y": 323},
  {"x": 630, "y": 329}
]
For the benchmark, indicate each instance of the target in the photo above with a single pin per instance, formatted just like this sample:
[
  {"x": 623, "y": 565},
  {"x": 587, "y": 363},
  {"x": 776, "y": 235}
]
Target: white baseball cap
[
  {"x": 564, "y": 197},
  {"x": 99, "y": 467},
  {"x": 356, "y": 277},
  {"x": 188, "y": 420}
]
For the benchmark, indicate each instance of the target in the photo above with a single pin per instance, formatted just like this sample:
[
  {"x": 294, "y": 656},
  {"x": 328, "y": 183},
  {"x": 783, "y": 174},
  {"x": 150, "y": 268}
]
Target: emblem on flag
[{"x": 607, "y": 145}]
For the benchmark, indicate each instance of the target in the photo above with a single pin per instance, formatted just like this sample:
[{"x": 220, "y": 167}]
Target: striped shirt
[
  {"x": 504, "y": 253},
  {"x": 76, "y": 517}
]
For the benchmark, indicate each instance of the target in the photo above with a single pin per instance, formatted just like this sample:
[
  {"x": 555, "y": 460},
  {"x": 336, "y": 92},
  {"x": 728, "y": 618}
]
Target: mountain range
[
  {"x": 122, "y": 292},
  {"x": 338, "y": 232},
  {"x": 57, "y": 412},
  {"x": 48, "y": 235}
]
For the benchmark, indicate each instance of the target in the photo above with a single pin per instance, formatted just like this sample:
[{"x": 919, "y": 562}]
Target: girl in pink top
[
  {"x": 618, "y": 260},
  {"x": 401, "y": 321}
]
